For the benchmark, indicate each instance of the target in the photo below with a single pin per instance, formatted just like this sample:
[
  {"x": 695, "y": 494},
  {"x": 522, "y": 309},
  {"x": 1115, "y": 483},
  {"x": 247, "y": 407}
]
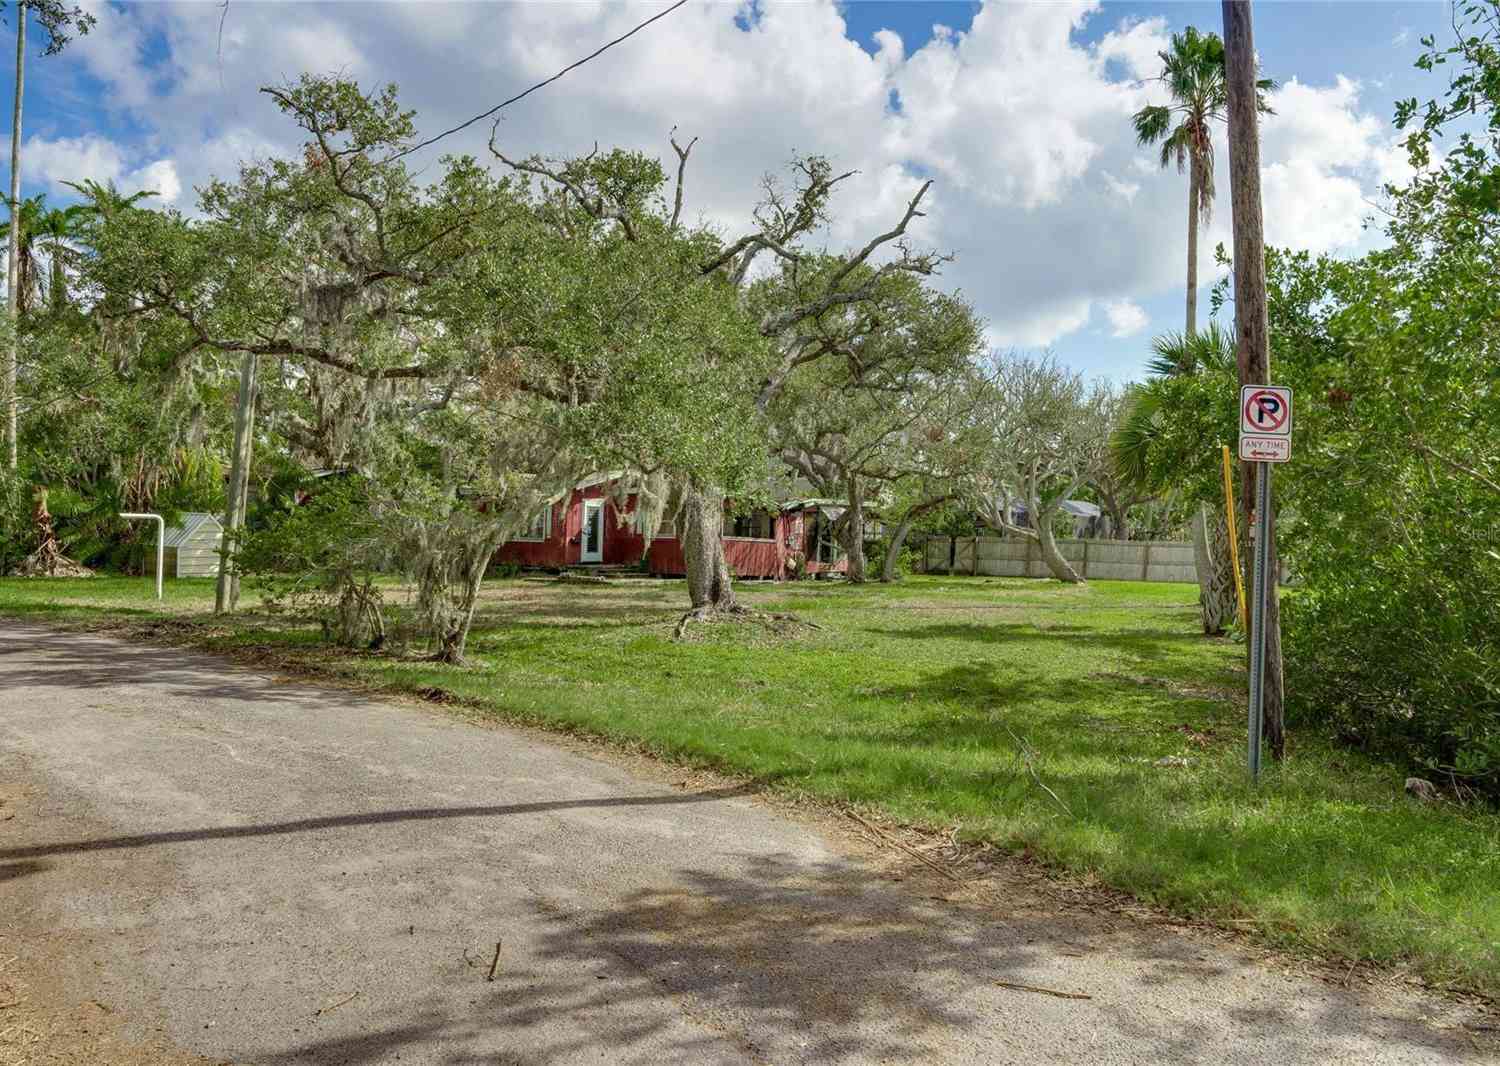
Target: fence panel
[
  {"x": 1002, "y": 558},
  {"x": 1119, "y": 560},
  {"x": 936, "y": 554}
]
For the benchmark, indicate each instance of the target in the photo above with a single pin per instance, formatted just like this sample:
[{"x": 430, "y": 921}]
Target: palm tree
[
  {"x": 21, "y": 230},
  {"x": 44, "y": 234},
  {"x": 1141, "y": 455},
  {"x": 105, "y": 198},
  {"x": 1193, "y": 72},
  {"x": 57, "y": 229},
  {"x": 1143, "y": 423},
  {"x": 55, "y": 19}
]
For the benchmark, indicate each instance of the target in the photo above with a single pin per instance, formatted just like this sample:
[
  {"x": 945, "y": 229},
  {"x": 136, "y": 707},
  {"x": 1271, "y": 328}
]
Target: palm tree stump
[{"x": 48, "y": 560}]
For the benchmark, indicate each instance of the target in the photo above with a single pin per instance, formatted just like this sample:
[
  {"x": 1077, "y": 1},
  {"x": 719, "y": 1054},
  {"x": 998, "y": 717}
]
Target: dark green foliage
[
  {"x": 906, "y": 562},
  {"x": 320, "y": 560},
  {"x": 1395, "y": 640}
]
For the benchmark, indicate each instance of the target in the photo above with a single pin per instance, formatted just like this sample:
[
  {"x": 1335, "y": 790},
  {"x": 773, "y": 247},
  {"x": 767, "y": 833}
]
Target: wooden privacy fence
[{"x": 1124, "y": 560}]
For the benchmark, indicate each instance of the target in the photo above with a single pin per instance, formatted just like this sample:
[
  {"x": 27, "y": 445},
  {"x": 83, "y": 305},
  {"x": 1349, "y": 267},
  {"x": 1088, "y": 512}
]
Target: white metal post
[{"x": 161, "y": 537}]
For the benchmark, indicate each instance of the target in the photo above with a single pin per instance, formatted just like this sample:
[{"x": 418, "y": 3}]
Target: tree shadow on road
[
  {"x": 832, "y": 963},
  {"x": 365, "y": 818}
]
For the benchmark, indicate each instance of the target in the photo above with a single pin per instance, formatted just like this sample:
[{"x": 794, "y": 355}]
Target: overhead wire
[{"x": 541, "y": 84}]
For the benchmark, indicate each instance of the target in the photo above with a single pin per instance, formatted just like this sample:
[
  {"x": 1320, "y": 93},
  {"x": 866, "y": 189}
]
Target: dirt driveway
[{"x": 207, "y": 861}]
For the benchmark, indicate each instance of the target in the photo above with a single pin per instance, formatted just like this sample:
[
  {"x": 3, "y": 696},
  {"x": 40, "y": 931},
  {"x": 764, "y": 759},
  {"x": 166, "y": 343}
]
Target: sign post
[{"x": 1265, "y": 439}]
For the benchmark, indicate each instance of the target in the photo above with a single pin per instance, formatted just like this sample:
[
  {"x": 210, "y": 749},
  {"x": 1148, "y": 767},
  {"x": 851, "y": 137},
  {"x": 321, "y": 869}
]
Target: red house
[{"x": 590, "y": 528}]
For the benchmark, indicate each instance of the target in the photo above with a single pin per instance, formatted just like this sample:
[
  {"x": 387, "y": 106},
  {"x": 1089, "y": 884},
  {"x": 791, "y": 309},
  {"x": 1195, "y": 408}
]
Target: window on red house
[
  {"x": 540, "y": 527},
  {"x": 756, "y": 525}
]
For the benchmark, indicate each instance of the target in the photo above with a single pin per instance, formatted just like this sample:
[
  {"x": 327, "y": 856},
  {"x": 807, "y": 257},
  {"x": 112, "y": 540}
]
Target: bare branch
[
  {"x": 890, "y": 235},
  {"x": 682, "y": 158},
  {"x": 595, "y": 207}
]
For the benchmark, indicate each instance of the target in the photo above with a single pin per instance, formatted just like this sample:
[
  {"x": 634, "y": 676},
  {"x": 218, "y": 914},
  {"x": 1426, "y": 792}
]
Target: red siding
[
  {"x": 747, "y": 558},
  {"x": 623, "y": 546},
  {"x": 547, "y": 553}
]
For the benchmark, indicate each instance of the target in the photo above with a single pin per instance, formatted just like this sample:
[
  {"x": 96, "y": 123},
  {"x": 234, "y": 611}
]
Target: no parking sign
[
  {"x": 1265, "y": 438},
  {"x": 1265, "y": 424}
]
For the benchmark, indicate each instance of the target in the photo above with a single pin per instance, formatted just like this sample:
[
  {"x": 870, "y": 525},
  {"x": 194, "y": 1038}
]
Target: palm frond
[
  {"x": 1137, "y": 431},
  {"x": 1177, "y": 355},
  {"x": 1169, "y": 355},
  {"x": 1152, "y": 124}
]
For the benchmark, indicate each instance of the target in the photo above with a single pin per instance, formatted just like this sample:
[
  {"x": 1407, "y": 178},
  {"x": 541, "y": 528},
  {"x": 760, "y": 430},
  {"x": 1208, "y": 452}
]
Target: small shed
[{"x": 191, "y": 548}]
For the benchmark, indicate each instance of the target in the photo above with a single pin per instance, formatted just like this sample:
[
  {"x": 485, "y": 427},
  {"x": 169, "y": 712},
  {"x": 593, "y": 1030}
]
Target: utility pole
[
  {"x": 13, "y": 259},
  {"x": 1253, "y": 329},
  {"x": 227, "y": 593}
]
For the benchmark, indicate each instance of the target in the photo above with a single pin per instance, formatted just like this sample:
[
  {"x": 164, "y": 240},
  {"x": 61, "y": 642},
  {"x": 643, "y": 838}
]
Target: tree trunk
[
  {"x": 454, "y": 641},
  {"x": 57, "y": 288},
  {"x": 1060, "y": 567},
  {"x": 1195, "y": 187},
  {"x": 48, "y": 559},
  {"x": 710, "y": 585},
  {"x": 903, "y": 530},
  {"x": 1216, "y": 598},
  {"x": 228, "y": 590},
  {"x": 1250, "y": 312},
  {"x": 1119, "y": 516},
  {"x": 854, "y": 531},
  {"x": 12, "y": 264},
  {"x": 893, "y": 550}
]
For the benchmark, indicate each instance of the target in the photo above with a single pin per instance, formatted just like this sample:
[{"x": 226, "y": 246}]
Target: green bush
[
  {"x": 906, "y": 563},
  {"x": 1394, "y": 641},
  {"x": 321, "y": 560}
]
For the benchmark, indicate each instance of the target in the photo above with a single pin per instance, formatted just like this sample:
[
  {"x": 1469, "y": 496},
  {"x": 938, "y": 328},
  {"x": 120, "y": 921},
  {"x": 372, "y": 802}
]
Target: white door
[{"x": 593, "y": 532}]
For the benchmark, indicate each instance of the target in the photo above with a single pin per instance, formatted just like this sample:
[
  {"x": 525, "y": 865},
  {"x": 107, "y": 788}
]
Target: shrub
[
  {"x": 321, "y": 560},
  {"x": 1394, "y": 641}
]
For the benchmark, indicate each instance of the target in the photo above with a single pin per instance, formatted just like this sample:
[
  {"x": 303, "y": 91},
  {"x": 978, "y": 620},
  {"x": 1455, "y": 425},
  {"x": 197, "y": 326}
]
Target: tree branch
[
  {"x": 890, "y": 235},
  {"x": 682, "y": 158}
]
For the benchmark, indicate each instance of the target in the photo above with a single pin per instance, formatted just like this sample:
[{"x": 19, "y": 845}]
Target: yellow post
[{"x": 1234, "y": 539}]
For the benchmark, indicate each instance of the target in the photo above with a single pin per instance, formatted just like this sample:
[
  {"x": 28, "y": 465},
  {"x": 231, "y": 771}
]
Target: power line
[{"x": 540, "y": 84}]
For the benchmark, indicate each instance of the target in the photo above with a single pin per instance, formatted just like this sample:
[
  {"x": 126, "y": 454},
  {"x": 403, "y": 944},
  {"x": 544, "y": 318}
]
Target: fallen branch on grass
[
  {"x": 495, "y": 965},
  {"x": 1028, "y": 756},
  {"x": 913, "y": 852}
]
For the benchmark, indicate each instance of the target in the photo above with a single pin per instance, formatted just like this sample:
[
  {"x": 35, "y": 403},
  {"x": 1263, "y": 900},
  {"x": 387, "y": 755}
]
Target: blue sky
[
  {"x": 1375, "y": 44},
  {"x": 1067, "y": 236}
]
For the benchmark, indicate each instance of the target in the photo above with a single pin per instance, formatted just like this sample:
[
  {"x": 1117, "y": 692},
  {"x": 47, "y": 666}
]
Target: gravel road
[{"x": 260, "y": 871}]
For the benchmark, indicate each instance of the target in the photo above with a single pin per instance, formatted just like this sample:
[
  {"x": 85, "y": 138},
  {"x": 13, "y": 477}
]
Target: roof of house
[
  {"x": 192, "y": 521},
  {"x": 810, "y": 503},
  {"x": 1076, "y": 508},
  {"x": 1081, "y": 508}
]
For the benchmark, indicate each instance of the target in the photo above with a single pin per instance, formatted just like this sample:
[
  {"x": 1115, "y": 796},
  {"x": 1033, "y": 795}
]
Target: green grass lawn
[{"x": 918, "y": 700}]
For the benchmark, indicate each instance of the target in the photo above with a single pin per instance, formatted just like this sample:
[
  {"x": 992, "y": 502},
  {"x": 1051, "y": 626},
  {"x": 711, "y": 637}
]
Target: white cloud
[
  {"x": 159, "y": 177},
  {"x": 1126, "y": 190},
  {"x": 93, "y": 158},
  {"x": 1137, "y": 46},
  {"x": 1039, "y": 187},
  {"x": 1324, "y": 161},
  {"x": 1126, "y": 318},
  {"x": 1042, "y": 325}
]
